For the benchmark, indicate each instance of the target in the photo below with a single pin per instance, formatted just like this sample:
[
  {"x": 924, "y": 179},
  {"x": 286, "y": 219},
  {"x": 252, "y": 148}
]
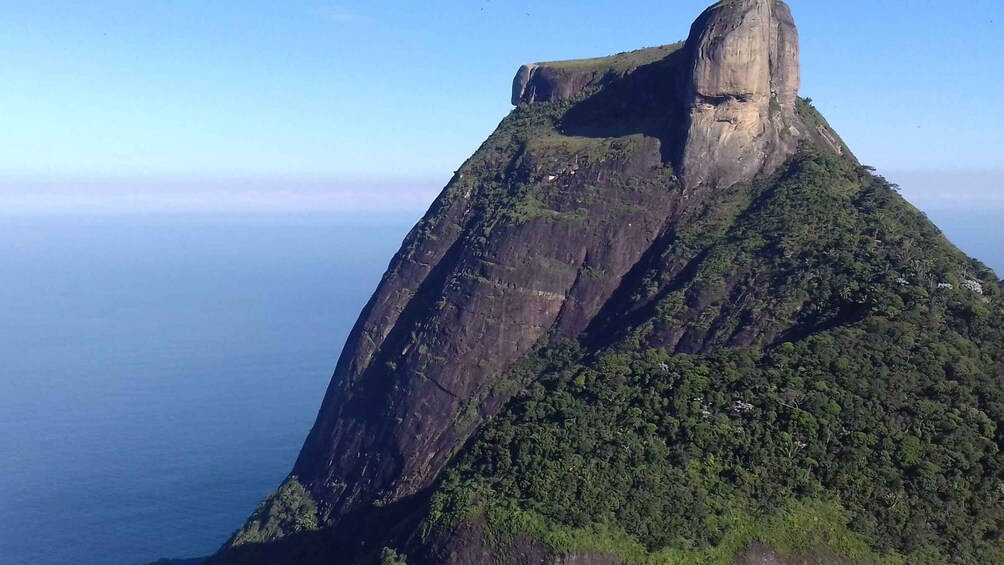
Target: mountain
[{"x": 661, "y": 315}]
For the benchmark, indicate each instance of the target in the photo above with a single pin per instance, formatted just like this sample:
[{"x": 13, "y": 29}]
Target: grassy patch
[
  {"x": 290, "y": 509},
  {"x": 583, "y": 150},
  {"x": 531, "y": 208},
  {"x": 806, "y": 527},
  {"x": 619, "y": 63}
]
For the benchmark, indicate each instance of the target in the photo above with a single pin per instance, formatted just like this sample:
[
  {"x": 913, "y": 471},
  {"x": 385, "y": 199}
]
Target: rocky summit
[
  {"x": 738, "y": 89},
  {"x": 662, "y": 315},
  {"x": 740, "y": 82}
]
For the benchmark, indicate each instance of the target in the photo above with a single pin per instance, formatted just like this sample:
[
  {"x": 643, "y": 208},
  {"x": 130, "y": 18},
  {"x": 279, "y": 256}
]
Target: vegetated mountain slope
[
  {"x": 628, "y": 336},
  {"x": 870, "y": 429}
]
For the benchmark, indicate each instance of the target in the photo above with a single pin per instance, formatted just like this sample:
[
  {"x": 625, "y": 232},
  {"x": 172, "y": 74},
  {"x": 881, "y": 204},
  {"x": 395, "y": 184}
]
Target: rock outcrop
[
  {"x": 541, "y": 83},
  {"x": 562, "y": 80},
  {"x": 737, "y": 96},
  {"x": 741, "y": 84}
]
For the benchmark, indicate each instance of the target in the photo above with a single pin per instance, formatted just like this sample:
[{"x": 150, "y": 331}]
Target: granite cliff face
[
  {"x": 743, "y": 79},
  {"x": 606, "y": 209}
]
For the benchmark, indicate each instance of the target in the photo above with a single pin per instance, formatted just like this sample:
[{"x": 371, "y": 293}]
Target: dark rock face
[
  {"x": 451, "y": 316},
  {"x": 562, "y": 80}
]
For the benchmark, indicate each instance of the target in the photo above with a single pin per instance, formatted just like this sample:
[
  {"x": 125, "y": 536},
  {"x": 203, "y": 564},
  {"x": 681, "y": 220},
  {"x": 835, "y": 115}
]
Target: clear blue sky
[{"x": 369, "y": 91}]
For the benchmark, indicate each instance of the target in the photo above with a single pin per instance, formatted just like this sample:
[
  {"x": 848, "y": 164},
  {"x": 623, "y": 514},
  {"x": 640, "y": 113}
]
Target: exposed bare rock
[
  {"x": 740, "y": 92},
  {"x": 451, "y": 314},
  {"x": 561, "y": 80},
  {"x": 760, "y": 554},
  {"x": 541, "y": 83}
]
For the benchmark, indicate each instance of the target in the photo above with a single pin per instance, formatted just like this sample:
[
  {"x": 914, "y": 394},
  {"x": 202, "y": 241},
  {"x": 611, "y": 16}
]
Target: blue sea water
[
  {"x": 980, "y": 233},
  {"x": 158, "y": 374}
]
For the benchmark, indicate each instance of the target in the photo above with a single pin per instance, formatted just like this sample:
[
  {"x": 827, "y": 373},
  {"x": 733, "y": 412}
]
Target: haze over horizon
[{"x": 310, "y": 106}]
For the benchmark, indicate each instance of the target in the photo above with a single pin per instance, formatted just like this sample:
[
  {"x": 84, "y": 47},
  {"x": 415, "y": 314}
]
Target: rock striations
[{"x": 591, "y": 214}]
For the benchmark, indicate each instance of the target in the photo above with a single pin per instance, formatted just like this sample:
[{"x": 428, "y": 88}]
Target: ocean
[
  {"x": 980, "y": 233},
  {"x": 159, "y": 373}
]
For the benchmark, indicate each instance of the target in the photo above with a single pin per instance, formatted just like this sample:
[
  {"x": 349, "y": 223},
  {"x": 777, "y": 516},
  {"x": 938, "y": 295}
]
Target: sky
[{"x": 190, "y": 104}]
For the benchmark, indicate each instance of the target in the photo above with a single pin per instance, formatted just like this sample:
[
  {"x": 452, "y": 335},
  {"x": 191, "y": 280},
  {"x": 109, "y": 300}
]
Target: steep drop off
[{"x": 661, "y": 314}]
